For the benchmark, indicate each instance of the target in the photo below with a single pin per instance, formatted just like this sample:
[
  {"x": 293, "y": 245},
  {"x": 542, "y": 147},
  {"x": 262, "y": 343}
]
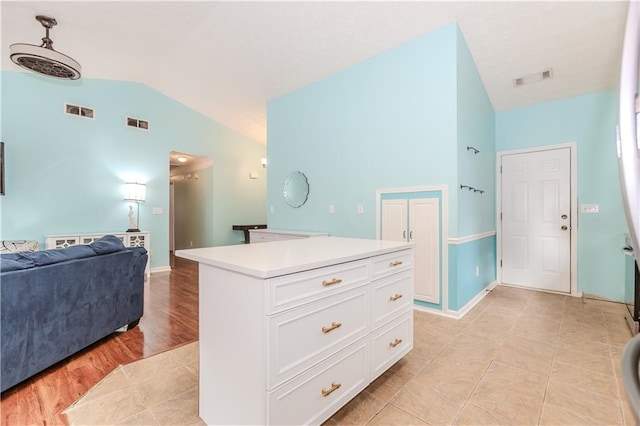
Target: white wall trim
[
  {"x": 573, "y": 149},
  {"x": 434, "y": 311},
  {"x": 161, "y": 269},
  {"x": 444, "y": 249},
  {"x": 469, "y": 238}
]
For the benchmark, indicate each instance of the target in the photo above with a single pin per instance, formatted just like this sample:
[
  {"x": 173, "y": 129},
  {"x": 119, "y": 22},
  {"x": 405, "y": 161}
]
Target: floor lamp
[{"x": 135, "y": 192}]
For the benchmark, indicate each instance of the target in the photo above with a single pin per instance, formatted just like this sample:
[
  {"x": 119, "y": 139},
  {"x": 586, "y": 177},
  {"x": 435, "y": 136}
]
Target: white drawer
[
  {"x": 391, "y": 263},
  {"x": 296, "y": 289},
  {"x": 316, "y": 395},
  {"x": 390, "y": 343},
  {"x": 262, "y": 238},
  {"x": 302, "y": 337},
  {"x": 390, "y": 297}
]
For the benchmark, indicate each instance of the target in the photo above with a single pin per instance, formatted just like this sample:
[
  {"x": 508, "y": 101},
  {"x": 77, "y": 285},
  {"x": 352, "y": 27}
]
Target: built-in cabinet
[
  {"x": 290, "y": 332},
  {"x": 129, "y": 239},
  {"x": 417, "y": 220}
]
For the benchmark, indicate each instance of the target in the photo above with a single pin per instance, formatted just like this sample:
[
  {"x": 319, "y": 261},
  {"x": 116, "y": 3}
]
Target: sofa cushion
[
  {"x": 107, "y": 244},
  {"x": 7, "y": 265},
  {"x": 48, "y": 257}
]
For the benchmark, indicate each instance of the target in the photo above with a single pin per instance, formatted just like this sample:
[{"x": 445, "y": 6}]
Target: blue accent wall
[
  {"x": 389, "y": 121},
  {"x": 464, "y": 258},
  {"x": 589, "y": 121},
  {"x": 65, "y": 174}
]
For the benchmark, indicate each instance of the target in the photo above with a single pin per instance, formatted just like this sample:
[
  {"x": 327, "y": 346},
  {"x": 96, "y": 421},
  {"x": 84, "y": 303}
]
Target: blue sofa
[{"x": 54, "y": 303}]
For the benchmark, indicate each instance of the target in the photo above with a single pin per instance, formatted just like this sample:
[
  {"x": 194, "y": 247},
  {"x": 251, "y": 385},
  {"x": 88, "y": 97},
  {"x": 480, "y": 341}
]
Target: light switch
[
  {"x": 590, "y": 208},
  {"x": 253, "y": 175},
  {"x": 360, "y": 209},
  {"x": 332, "y": 208},
  {"x": 272, "y": 209},
  {"x": 157, "y": 210}
]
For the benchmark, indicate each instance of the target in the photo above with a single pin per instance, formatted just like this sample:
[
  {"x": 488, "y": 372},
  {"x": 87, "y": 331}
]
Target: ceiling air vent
[
  {"x": 533, "y": 78},
  {"x": 136, "y": 122},
  {"x": 79, "y": 111}
]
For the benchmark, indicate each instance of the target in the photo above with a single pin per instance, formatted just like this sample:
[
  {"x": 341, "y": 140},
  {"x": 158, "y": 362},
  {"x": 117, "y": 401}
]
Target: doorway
[
  {"x": 537, "y": 214},
  {"x": 190, "y": 202}
]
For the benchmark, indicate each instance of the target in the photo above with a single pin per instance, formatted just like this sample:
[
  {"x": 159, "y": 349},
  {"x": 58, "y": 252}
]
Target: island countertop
[{"x": 268, "y": 260}]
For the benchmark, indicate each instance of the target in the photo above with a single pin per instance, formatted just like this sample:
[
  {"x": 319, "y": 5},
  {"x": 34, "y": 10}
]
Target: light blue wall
[
  {"x": 589, "y": 121},
  {"x": 476, "y": 211},
  {"x": 65, "y": 174},
  {"x": 463, "y": 260},
  {"x": 386, "y": 122}
]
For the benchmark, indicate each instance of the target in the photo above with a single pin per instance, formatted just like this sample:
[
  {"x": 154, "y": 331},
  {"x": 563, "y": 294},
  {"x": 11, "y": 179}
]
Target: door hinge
[
  {"x": 500, "y": 169},
  {"x": 500, "y": 215},
  {"x": 501, "y": 263}
]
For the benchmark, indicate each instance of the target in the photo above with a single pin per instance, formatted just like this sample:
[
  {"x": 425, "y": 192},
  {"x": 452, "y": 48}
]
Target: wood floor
[{"x": 170, "y": 320}]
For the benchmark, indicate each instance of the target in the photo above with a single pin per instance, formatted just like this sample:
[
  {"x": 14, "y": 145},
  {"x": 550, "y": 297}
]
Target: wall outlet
[
  {"x": 272, "y": 210},
  {"x": 590, "y": 208},
  {"x": 477, "y": 271},
  {"x": 332, "y": 208},
  {"x": 360, "y": 209},
  {"x": 157, "y": 210},
  {"x": 190, "y": 243}
]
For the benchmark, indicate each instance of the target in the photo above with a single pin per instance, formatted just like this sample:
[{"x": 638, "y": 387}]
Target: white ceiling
[{"x": 227, "y": 59}]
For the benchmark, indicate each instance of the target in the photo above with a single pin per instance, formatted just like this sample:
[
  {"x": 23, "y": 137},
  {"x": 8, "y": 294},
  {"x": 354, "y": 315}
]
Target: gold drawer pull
[
  {"x": 395, "y": 343},
  {"x": 334, "y": 386},
  {"x": 334, "y": 325},
  {"x": 396, "y": 263},
  {"x": 396, "y": 297},
  {"x": 332, "y": 282}
]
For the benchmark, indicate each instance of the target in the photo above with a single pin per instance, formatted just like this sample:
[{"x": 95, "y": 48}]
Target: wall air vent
[
  {"x": 136, "y": 122},
  {"x": 533, "y": 78},
  {"x": 79, "y": 111}
]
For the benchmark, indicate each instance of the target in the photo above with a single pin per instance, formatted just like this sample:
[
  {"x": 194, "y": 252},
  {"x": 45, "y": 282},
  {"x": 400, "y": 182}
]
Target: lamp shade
[{"x": 134, "y": 191}]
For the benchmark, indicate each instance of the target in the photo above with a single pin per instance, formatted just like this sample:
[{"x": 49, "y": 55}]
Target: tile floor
[{"x": 518, "y": 358}]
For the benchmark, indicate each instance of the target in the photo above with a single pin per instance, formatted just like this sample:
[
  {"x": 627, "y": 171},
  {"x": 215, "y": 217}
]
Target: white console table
[
  {"x": 266, "y": 235},
  {"x": 129, "y": 239},
  {"x": 292, "y": 330}
]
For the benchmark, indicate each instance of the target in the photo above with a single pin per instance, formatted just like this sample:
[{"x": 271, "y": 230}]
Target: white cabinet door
[
  {"x": 394, "y": 220},
  {"x": 424, "y": 226},
  {"x": 418, "y": 221}
]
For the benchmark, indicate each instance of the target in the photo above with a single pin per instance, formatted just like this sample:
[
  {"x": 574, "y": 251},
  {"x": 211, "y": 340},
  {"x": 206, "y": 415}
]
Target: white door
[
  {"x": 424, "y": 227},
  {"x": 394, "y": 220},
  {"x": 536, "y": 219},
  {"x": 417, "y": 221}
]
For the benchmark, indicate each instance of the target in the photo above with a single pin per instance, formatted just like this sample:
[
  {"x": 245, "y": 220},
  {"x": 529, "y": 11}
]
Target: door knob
[
  {"x": 564, "y": 216},
  {"x": 564, "y": 227}
]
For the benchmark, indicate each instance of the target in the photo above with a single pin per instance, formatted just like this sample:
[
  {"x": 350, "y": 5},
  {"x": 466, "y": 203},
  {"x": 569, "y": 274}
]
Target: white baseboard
[
  {"x": 161, "y": 269},
  {"x": 466, "y": 308}
]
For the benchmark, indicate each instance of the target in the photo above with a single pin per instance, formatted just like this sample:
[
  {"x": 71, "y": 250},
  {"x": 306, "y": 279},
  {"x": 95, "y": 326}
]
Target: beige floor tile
[
  {"x": 584, "y": 346},
  {"x": 152, "y": 367},
  {"x": 476, "y": 416},
  {"x": 602, "y": 384},
  {"x": 595, "y": 363},
  {"x": 515, "y": 406},
  {"x": 108, "y": 409},
  {"x": 143, "y": 418},
  {"x": 389, "y": 384},
  {"x": 627, "y": 411},
  {"x": 588, "y": 404},
  {"x": 181, "y": 409},
  {"x": 393, "y": 416},
  {"x": 360, "y": 410},
  {"x": 428, "y": 404},
  {"x": 167, "y": 385},
  {"x": 515, "y": 379},
  {"x": 553, "y": 414},
  {"x": 527, "y": 354},
  {"x": 188, "y": 355},
  {"x": 454, "y": 379}
]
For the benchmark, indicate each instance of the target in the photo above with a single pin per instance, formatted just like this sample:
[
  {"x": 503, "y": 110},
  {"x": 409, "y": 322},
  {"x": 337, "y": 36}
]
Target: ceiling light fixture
[
  {"x": 182, "y": 159},
  {"x": 43, "y": 59},
  {"x": 533, "y": 78}
]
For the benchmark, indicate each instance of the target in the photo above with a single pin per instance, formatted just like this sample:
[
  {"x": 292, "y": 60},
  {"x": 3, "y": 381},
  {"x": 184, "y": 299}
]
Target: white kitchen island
[{"x": 290, "y": 331}]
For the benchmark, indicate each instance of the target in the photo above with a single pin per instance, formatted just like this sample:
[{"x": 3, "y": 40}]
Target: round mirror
[{"x": 296, "y": 189}]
